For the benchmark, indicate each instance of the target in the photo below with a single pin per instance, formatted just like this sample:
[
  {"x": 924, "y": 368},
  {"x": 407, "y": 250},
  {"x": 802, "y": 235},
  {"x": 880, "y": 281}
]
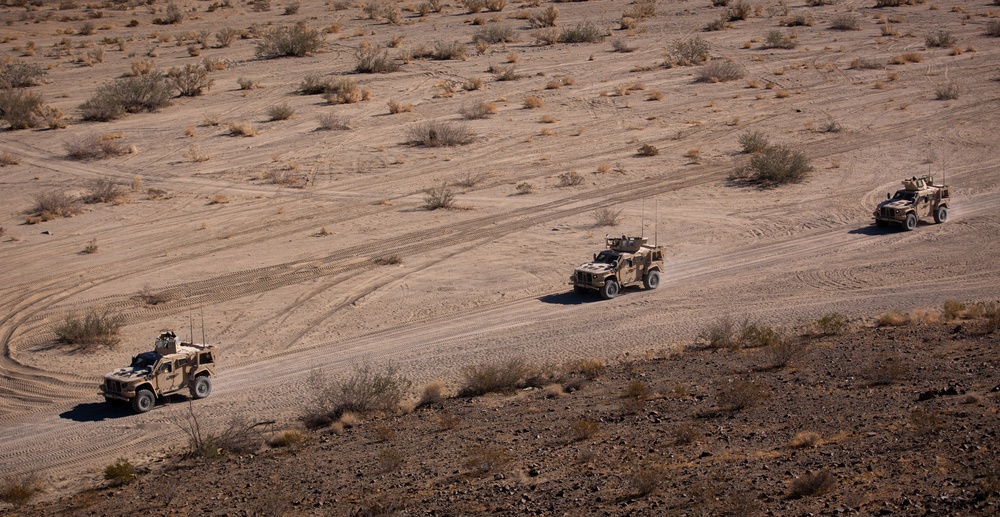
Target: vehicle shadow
[
  {"x": 96, "y": 412},
  {"x": 569, "y": 298},
  {"x": 874, "y": 230}
]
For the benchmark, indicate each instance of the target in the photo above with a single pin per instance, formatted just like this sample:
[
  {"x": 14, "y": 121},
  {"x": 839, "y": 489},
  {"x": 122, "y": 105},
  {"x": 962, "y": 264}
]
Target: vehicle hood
[
  {"x": 896, "y": 203},
  {"x": 127, "y": 374},
  {"x": 595, "y": 267}
]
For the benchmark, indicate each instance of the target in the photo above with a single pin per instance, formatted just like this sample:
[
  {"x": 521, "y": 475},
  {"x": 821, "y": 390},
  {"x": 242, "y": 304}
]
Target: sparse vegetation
[
  {"x": 831, "y": 324},
  {"x": 692, "y": 51},
  {"x": 739, "y": 395},
  {"x": 375, "y": 60},
  {"x": 583, "y": 33},
  {"x": 846, "y": 22},
  {"x": 533, "y": 102},
  {"x": 494, "y": 377},
  {"x": 119, "y": 473},
  {"x": 439, "y": 134},
  {"x": 479, "y": 110},
  {"x": 97, "y": 327},
  {"x": 753, "y": 141},
  {"x": 647, "y": 150},
  {"x": 778, "y": 39},
  {"x": 104, "y": 190},
  {"x": 95, "y": 147},
  {"x": 333, "y": 121},
  {"x": 993, "y": 28},
  {"x": 190, "y": 80},
  {"x": 18, "y": 74},
  {"x": 784, "y": 350},
  {"x": 947, "y": 91},
  {"x": 720, "y": 71},
  {"x": 20, "y": 489},
  {"x": 776, "y": 165},
  {"x": 280, "y": 112},
  {"x": 493, "y": 34},
  {"x": 398, "y": 107},
  {"x": 439, "y": 197},
  {"x": 289, "y": 41},
  {"x": 812, "y": 484},
  {"x": 941, "y": 38},
  {"x": 569, "y": 179},
  {"x": 21, "y": 109},
  {"x": 366, "y": 390},
  {"x": 148, "y": 92},
  {"x": 607, "y": 216}
]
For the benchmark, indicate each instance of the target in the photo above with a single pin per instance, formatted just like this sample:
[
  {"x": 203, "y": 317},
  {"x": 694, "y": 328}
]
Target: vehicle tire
[
  {"x": 579, "y": 289},
  {"x": 652, "y": 280},
  {"x": 202, "y": 387},
  {"x": 911, "y": 222},
  {"x": 144, "y": 401},
  {"x": 941, "y": 215},
  {"x": 610, "y": 289}
]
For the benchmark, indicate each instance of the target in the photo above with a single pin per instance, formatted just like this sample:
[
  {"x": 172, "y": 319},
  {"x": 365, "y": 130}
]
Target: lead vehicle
[
  {"x": 919, "y": 198},
  {"x": 626, "y": 261},
  {"x": 170, "y": 368}
]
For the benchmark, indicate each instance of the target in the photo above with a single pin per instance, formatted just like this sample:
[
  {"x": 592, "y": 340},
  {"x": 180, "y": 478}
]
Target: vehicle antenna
[
  {"x": 642, "y": 218},
  {"x": 656, "y": 222},
  {"x": 191, "y": 325},
  {"x": 203, "y": 341}
]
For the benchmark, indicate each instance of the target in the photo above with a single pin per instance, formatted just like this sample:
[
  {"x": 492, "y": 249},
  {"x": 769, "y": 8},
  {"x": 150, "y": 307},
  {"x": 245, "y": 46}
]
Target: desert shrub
[
  {"x": 8, "y": 159},
  {"x": 606, "y": 216},
  {"x": 909, "y": 57},
  {"x": 803, "y": 439},
  {"x": 289, "y": 41},
  {"x": 583, "y": 33},
  {"x": 439, "y": 197},
  {"x": 846, "y": 22},
  {"x": 941, "y": 38},
  {"x": 246, "y": 83},
  {"x": 640, "y": 9},
  {"x": 799, "y": 20},
  {"x": 590, "y": 368},
  {"x": 692, "y": 51},
  {"x": 190, "y": 80},
  {"x": 893, "y": 318},
  {"x": 776, "y": 165},
  {"x": 619, "y": 45},
  {"x": 533, "y": 102},
  {"x": 479, "y": 110},
  {"x": 993, "y": 28},
  {"x": 865, "y": 64},
  {"x": 103, "y": 190},
  {"x": 119, "y": 473},
  {"x": 494, "y": 5},
  {"x": 495, "y": 377},
  {"x": 345, "y": 90},
  {"x": 570, "y": 179},
  {"x": 740, "y": 395},
  {"x": 753, "y": 141},
  {"x": 720, "y": 71},
  {"x": 719, "y": 24},
  {"x": 947, "y": 91},
  {"x": 398, "y": 107},
  {"x": 545, "y": 17},
  {"x": 778, "y": 39},
  {"x": 95, "y": 147},
  {"x": 95, "y": 328},
  {"x": 831, "y": 324},
  {"x": 388, "y": 260},
  {"x": 280, "y": 112},
  {"x": 374, "y": 60},
  {"x": 439, "y": 134},
  {"x": 21, "y": 109},
  {"x": 482, "y": 460},
  {"x": 313, "y": 84},
  {"x": 226, "y": 36},
  {"x": 740, "y": 11},
  {"x": 260, "y": 5},
  {"x": 884, "y": 369},
  {"x": 647, "y": 150},
  {"x": 474, "y": 83},
  {"x": 333, "y": 121},
  {"x": 720, "y": 333},
  {"x": 172, "y": 16},
  {"x": 524, "y": 188},
  {"x": 19, "y": 489},
  {"x": 287, "y": 439},
  {"x": 506, "y": 73},
  {"x": 492, "y": 34},
  {"x": 582, "y": 429},
  {"x": 114, "y": 99},
  {"x": 238, "y": 437},
  {"x": 49, "y": 205},
  {"x": 242, "y": 128},
  {"x": 812, "y": 484},
  {"x": 783, "y": 351},
  {"x": 292, "y": 7},
  {"x": 433, "y": 393},
  {"x": 548, "y": 36},
  {"x": 18, "y": 74},
  {"x": 953, "y": 309},
  {"x": 449, "y": 50},
  {"x": 367, "y": 389}
]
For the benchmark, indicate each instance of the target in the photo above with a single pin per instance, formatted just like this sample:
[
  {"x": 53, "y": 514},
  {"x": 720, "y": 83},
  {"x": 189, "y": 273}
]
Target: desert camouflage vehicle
[
  {"x": 626, "y": 261},
  {"x": 919, "y": 198},
  {"x": 172, "y": 366}
]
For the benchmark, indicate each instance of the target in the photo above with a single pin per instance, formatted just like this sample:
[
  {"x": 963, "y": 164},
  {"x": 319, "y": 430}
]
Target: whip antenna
[
  {"x": 203, "y": 327},
  {"x": 191, "y": 325}
]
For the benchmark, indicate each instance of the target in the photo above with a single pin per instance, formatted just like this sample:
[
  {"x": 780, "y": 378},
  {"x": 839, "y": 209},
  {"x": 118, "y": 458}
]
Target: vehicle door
[
  {"x": 922, "y": 206},
  {"x": 167, "y": 376},
  {"x": 626, "y": 271}
]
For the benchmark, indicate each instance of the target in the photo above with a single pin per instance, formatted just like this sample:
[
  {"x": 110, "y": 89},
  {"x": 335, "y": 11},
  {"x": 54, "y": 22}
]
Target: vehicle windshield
[
  {"x": 904, "y": 194},
  {"x": 607, "y": 257},
  {"x": 145, "y": 359}
]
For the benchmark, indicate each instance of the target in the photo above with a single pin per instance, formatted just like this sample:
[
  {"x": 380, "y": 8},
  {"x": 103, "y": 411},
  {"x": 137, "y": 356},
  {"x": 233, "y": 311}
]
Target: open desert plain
[{"x": 324, "y": 189}]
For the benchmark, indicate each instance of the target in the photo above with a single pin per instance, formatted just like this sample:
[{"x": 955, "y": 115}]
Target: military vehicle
[
  {"x": 171, "y": 367},
  {"x": 919, "y": 198},
  {"x": 626, "y": 261}
]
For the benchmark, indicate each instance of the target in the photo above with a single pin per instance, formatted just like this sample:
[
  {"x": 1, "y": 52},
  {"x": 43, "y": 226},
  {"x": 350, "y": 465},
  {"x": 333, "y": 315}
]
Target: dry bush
[
  {"x": 784, "y": 351},
  {"x": 119, "y": 473},
  {"x": 447, "y": 421},
  {"x": 21, "y": 109},
  {"x": 226, "y": 36},
  {"x": 471, "y": 179},
  {"x": 549, "y": 36},
  {"x": 474, "y": 83},
  {"x": 114, "y": 99},
  {"x": 493, "y": 34},
  {"x": 292, "y": 8},
  {"x": 505, "y": 73},
  {"x": 803, "y": 439},
  {"x": 50, "y": 205},
  {"x": 313, "y": 84},
  {"x": 799, "y": 20},
  {"x": 8, "y": 159},
  {"x": 753, "y": 141},
  {"x": 776, "y": 165},
  {"x": 280, "y": 112},
  {"x": 640, "y": 10},
  {"x": 374, "y": 60},
  {"x": 533, "y": 102},
  {"x": 524, "y": 188},
  {"x": 570, "y": 179},
  {"x": 720, "y": 71},
  {"x": 398, "y": 107},
  {"x": 190, "y": 81},
  {"x": 606, "y": 216},
  {"x": 238, "y": 437},
  {"x": 582, "y": 429},
  {"x": 103, "y": 190},
  {"x": 439, "y": 134},
  {"x": 333, "y": 121},
  {"x": 289, "y": 41},
  {"x": 909, "y": 57},
  {"x": 941, "y": 38},
  {"x": 245, "y": 83},
  {"x": 647, "y": 150},
  {"x": 884, "y": 369},
  {"x": 345, "y": 90},
  {"x": 720, "y": 333},
  {"x": 288, "y": 438},
  {"x": 482, "y": 460},
  {"x": 740, "y": 395},
  {"x": 242, "y": 128},
  {"x": 993, "y": 28},
  {"x": 95, "y": 147},
  {"x": 831, "y": 324},
  {"x": 778, "y": 39},
  {"x": 846, "y": 22},
  {"x": 866, "y": 64},
  {"x": 96, "y": 328},
  {"x": 433, "y": 393},
  {"x": 172, "y": 16},
  {"x": 590, "y": 369},
  {"x": 477, "y": 111},
  {"x": 586, "y": 32},
  {"x": 545, "y": 17},
  {"x": 499, "y": 376},
  {"x": 18, "y": 74},
  {"x": 388, "y": 260},
  {"x": 364, "y": 391},
  {"x": 893, "y": 318},
  {"x": 812, "y": 484},
  {"x": 451, "y": 50},
  {"x": 17, "y": 490},
  {"x": 439, "y": 197},
  {"x": 644, "y": 479},
  {"x": 692, "y": 51},
  {"x": 719, "y": 24},
  {"x": 947, "y": 91},
  {"x": 740, "y": 11}
]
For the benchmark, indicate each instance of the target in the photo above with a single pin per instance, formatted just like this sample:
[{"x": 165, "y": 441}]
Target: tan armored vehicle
[
  {"x": 626, "y": 261},
  {"x": 919, "y": 199},
  {"x": 172, "y": 366}
]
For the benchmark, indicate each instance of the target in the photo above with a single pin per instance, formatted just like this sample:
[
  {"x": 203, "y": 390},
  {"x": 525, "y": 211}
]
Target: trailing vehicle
[
  {"x": 626, "y": 261},
  {"x": 171, "y": 367},
  {"x": 919, "y": 199}
]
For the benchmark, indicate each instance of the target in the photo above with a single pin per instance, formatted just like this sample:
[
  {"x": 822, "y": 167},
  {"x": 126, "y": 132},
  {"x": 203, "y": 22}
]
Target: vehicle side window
[
  {"x": 181, "y": 363},
  {"x": 167, "y": 367},
  {"x": 206, "y": 357}
]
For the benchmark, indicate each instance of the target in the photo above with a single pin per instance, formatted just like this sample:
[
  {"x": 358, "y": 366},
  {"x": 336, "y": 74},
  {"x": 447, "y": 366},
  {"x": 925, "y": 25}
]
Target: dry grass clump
[
  {"x": 119, "y": 473},
  {"x": 439, "y": 134},
  {"x": 288, "y": 438},
  {"x": 345, "y": 90},
  {"x": 499, "y": 376},
  {"x": 884, "y": 369},
  {"x": 439, "y": 197},
  {"x": 620, "y": 45},
  {"x": 570, "y": 178},
  {"x": 242, "y": 128},
  {"x": 483, "y": 460},
  {"x": 8, "y": 159},
  {"x": 333, "y": 121},
  {"x": 941, "y": 38},
  {"x": 21, "y": 109},
  {"x": 739, "y": 395},
  {"x": 692, "y": 51},
  {"x": 365, "y": 390},
  {"x": 644, "y": 479},
  {"x": 388, "y": 260},
  {"x": 753, "y": 141},
  {"x": 947, "y": 91},
  {"x": 280, "y": 112},
  {"x": 524, "y": 188},
  {"x": 95, "y": 147},
  {"x": 474, "y": 83},
  {"x": 993, "y": 28},
  {"x": 533, "y": 102},
  {"x": 114, "y": 99},
  {"x": 846, "y": 22},
  {"x": 607, "y": 216},
  {"x": 190, "y": 80},
  {"x": 289, "y": 41},
  {"x": 783, "y": 351},
  {"x": 226, "y": 36},
  {"x": 549, "y": 36},
  {"x": 433, "y": 393},
  {"x": 505, "y": 72},
  {"x": 50, "y": 205},
  {"x": 812, "y": 484},
  {"x": 803, "y": 439},
  {"x": 909, "y": 57},
  {"x": 104, "y": 190},
  {"x": 775, "y": 165},
  {"x": 18, "y": 490},
  {"x": 893, "y": 318},
  {"x": 586, "y": 32},
  {"x": 396, "y": 107},
  {"x": 720, "y": 71},
  {"x": 375, "y": 60},
  {"x": 647, "y": 150},
  {"x": 95, "y": 328},
  {"x": 545, "y": 17},
  {"x": 865, "y": 64},
  {"x": 778, "y": 39},
  {"x": 831, "y": 324},
  {"x": 582, "y": 429},
  {"x": 218, "y": 199},
  {"x": 495, "y": 33},
  {"x": 18, "y": 74},
  {"x": 477, "y": 111},
  {"x": 455, "y": 50}
]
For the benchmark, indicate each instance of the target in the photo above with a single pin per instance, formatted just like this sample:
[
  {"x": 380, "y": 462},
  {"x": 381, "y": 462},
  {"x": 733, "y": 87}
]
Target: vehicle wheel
[
  {"x": 652, "y": 280},
  {"x": 941, "y": 215},
  {"x": 610, "y": 290},
  {"x": 201, "y": 388},
  {"x": 144, "y": 401},
  {"x": 579, "y": 289},
  {"x": 911, "y": 222}
]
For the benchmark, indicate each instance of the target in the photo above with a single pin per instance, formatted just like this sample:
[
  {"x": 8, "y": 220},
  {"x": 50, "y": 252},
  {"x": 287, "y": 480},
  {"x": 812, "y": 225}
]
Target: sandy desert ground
[{"x": 285, "y": 273}]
